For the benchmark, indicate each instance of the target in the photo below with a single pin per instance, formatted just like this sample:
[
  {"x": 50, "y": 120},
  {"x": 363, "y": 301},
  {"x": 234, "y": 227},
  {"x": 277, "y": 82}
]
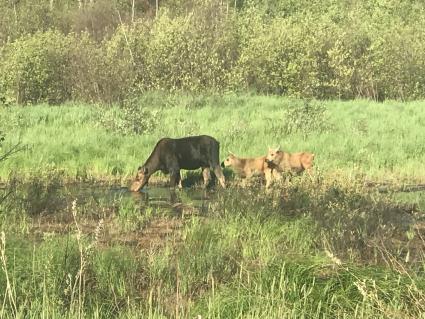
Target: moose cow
[{"x": 170, "y": 155}]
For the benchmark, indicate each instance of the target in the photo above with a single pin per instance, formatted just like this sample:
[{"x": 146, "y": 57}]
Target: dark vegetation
[
  {"x": 328, "y": 247},
  {"x": 109, "y": 51}
]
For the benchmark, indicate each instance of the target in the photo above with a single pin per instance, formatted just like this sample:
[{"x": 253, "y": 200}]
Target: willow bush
[
  {"x": 326, "y": 50},
  {"x": 193, "y": 53},
  {"x": 34, "y": 68}
]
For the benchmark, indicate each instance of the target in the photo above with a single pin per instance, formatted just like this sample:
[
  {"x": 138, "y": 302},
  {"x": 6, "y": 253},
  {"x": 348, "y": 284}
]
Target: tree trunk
[{"x": 132, "y": 11}]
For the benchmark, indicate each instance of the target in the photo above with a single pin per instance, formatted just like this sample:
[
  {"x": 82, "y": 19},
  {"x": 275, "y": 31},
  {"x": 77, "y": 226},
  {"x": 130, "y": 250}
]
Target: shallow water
[
  {"x": 156, "y": 197},
  {"x": 111, "y": 213},
  {"x": 55, "y": 200},
  {"x": 157, "y": 215}
]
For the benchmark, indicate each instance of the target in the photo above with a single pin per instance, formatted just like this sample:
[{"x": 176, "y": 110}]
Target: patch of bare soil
[{"x": 107, "y": 231}]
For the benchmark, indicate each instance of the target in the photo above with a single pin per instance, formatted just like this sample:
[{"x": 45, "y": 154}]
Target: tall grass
[
  {"x": 321, "y": 248},
  {"x": 380, "y": 141},
  {"x": 256, "y": 254}
]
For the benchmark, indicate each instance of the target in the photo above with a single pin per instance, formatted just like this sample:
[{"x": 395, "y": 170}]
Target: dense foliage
[{"x": 107, "y": 51}]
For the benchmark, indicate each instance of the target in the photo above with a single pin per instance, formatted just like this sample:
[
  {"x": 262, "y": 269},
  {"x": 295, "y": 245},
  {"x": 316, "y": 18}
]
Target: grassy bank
[
  {"x": 377, "y": 140},
  {"x": 322, "y": 250},
  {"x": 328, "y": 247}
]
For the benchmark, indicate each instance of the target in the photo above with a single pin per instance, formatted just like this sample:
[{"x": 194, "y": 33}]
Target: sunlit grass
[
  {"x": 253, "y": 255},
  {"x": 378, "y": 140},
  {"x": 326, "y": 247}
]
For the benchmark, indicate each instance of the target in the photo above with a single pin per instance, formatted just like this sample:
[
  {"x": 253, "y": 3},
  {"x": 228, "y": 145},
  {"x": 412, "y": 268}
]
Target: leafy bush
[
  {"x": 34, "y": 69},
  {"x": 306, "y": 118},
  {"x": 118, "y": 68},
  {"x": 131, "y": 118},
  {"x": 86, "y": 63},
  {"x": 326, "y": 50},
  {"x": 192, "y": 53},
  {"x": 277, "y": 57}
]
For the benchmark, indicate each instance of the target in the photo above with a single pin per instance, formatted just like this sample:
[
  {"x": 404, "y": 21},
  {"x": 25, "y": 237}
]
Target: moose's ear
[
  {"x": 145, "y": 170},
  {"x": 139, "y": 168},
  {"x": 277, "y": 149}
]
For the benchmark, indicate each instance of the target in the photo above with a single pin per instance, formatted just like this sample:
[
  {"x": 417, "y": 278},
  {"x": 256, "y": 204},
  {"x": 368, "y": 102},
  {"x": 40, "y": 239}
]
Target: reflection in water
[
  {"x": 170, "y": 198},
  {"x": 161, "y": 198},
  {"x": 116, "y": 214}
]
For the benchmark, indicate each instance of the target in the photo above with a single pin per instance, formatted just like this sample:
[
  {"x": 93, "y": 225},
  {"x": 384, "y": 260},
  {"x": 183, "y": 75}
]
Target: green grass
[
  {"x": 252, "y": 256},
  {"x": 323, "y": 248},
  {"x": 382, "y": 141}
]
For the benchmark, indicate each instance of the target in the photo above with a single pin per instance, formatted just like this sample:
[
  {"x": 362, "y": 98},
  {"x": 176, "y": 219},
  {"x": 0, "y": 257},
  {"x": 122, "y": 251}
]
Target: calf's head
[
  {"x": 142, "y": 178},
  {"x": 229, "y": 161},
  {"x": 274, "y": 155}
]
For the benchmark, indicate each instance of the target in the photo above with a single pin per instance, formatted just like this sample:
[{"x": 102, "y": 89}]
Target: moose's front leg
[{"x": 175, "y": 178}]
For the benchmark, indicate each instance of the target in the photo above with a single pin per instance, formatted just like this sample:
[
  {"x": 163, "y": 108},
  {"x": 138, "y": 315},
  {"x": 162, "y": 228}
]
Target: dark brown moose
[{"x": 170, "y": 155}]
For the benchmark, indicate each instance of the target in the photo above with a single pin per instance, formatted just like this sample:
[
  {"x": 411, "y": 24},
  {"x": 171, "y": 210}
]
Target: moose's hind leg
[
  {"x": 206, "y": 174},
  {"x": 219, "y": 174}
]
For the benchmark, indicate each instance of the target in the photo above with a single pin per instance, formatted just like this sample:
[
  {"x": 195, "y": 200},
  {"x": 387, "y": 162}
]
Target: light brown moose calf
[
  {"x": 247, "y": 168},
  {"x": 288, "y": 163}
]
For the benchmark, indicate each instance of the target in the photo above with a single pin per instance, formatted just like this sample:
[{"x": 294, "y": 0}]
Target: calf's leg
[
  {"x": 309, "y": 171},
  {"x": 268, "y": 177}
]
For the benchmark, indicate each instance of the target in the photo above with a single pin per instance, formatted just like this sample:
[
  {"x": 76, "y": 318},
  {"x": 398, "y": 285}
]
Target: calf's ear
[{"x": 277, "y": 149}]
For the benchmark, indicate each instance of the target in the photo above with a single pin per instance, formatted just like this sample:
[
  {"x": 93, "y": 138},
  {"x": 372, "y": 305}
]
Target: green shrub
[
  {"x": 118, "y": 69},
  {"x": 132, "y": 118},
  {"x": 309, "y": 117},
  {"x": 192, "y": 53},
  {"x": 34, "y": 69},
  {"x": 326, "y": 50},
  {"x": 86, "y": 65}
]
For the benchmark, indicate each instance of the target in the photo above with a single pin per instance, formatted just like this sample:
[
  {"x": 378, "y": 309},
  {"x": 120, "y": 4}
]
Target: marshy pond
[
  {"x": 111, "y": 214},
  {"x": 149, "y": 244}
]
